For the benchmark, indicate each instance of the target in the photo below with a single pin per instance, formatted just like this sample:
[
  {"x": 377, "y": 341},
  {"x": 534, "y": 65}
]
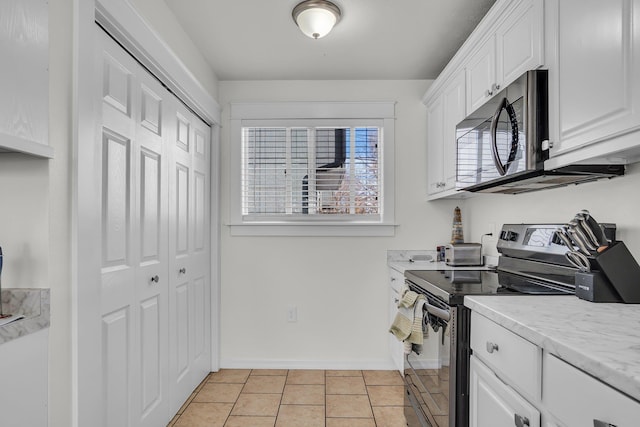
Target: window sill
[{"x": 324, "y": 229}]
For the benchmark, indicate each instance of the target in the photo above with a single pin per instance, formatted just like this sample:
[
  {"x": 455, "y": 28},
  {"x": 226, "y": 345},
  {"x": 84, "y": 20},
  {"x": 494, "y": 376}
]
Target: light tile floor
[{"x": 295, "y": 398}]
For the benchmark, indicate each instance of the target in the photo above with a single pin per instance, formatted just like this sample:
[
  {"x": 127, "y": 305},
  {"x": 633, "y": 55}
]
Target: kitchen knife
[
  {"x": 582, "y": 246},
  {"x": 580, "y": 238},
  {"x": 565, "y": 239},
  {"x": 597, "y": 231}
]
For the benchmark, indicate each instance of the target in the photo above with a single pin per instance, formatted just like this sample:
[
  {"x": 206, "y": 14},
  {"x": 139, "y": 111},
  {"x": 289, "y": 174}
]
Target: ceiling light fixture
[{"x": 316, "y": 18}]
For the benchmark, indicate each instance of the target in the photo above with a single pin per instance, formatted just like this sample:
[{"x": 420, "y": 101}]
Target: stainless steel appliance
[
  {"x": 463, "y": 254},
  {"x": 532, "y": 262},
  {"x": 502, "y": 146}
]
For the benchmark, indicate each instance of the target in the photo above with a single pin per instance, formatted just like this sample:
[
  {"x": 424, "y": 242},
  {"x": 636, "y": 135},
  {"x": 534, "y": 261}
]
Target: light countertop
[
  {"x": 415, "y": 260},
  {"x": 601, "y": 339},
  {"x": 31, "y": 303}
]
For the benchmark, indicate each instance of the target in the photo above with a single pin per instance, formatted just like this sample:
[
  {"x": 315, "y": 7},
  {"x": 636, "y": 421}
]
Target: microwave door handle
[{"x": 513, "y": 122}]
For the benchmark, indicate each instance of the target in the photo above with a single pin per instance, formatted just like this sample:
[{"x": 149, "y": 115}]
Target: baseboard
[{"x": 381, "y": 365}]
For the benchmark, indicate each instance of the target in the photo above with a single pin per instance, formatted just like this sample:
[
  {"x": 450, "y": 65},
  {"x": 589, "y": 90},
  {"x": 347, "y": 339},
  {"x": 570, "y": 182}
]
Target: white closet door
[
  {"x": 134, "y": 288},
  {"x": 189, "y": 254}
]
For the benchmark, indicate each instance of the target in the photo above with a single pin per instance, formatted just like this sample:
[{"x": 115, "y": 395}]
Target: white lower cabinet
[
  {"x": 513, "y": 382},
  {"x": 576, "y": 399},
  {"x": 396, "y": 348},
  {"x": 492, "y": 403}
]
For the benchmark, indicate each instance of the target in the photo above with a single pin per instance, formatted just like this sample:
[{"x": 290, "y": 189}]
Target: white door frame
[{"x": 121, "y": 19}]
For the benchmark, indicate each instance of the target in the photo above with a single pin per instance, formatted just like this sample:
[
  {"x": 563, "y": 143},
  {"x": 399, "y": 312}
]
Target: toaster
[{"x": 463, "y": 254}]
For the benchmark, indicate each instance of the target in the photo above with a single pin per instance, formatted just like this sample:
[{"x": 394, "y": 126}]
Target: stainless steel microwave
[{"x": 502, "y": 146}]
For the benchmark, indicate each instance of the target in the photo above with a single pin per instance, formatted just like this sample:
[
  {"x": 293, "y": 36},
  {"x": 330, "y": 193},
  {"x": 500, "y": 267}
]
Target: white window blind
[
  {"x": 311, "y": 172},
  {"x": 312, "y": 169}
]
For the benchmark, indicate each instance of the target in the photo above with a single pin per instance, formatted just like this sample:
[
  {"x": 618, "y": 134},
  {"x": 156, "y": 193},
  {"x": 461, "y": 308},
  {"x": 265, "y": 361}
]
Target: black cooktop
[{"x": 452, "y": 285}]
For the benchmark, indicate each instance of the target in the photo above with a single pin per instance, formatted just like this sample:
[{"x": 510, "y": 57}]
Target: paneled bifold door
[{"x": 155, "y": 294}]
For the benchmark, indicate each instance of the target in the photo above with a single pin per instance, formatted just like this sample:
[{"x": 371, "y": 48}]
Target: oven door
[{"x": 427, "y": 376}]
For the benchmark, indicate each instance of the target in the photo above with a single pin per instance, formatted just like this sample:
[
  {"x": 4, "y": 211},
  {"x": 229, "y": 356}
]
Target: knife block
[
  {"x": 595, "y": 287},
  {"x": 617, "y": 271}
]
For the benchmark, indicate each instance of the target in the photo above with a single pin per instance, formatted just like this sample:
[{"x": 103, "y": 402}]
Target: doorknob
[
  {"x": 155, "y": 278},
  {"x": 491, "y": 347},
  {"x": 520, "y": 421}
]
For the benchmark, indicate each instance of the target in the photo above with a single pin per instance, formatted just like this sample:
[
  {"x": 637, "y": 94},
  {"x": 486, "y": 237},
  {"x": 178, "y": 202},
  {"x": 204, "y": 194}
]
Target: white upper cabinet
[
  {"x": 435, "y": 173},
  {"x": 24, "y": 78},
  {"x": 594, "y": 84},
  {"x": 481, "y": 75},
  {"x": 454, "y": 111},
  {"x": 520, "y": 42},
  {"x": 513, "y": 47},
  {"x": 443, "y": 114}
]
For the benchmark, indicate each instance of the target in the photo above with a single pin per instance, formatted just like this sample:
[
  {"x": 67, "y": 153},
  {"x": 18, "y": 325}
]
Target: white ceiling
[{"x": 376, "y": 39}]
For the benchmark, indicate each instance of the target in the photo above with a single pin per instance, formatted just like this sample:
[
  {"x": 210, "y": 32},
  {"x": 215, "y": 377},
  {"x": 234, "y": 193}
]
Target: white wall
[
  {"x": 614, "y": 200},
  {"x": 339, "y": 285},
  {"x": 163, "y": 21},
  {"x": 24, "y": 220}
]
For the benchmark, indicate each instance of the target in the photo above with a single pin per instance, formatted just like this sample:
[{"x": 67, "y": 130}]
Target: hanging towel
[
  {"x": 416, "y": 337},
  {"x": 408, "y": 323},
  {"x": 401, "y": 326}
]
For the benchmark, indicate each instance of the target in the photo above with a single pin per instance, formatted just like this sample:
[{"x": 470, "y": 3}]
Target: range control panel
[
  {"x": 530, "y": 238},
  {"x": 537, "y": 241}
]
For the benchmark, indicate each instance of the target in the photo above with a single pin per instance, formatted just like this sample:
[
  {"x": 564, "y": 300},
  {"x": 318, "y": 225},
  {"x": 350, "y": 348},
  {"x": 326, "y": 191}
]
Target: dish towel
[{"x": 408, "y": 323}]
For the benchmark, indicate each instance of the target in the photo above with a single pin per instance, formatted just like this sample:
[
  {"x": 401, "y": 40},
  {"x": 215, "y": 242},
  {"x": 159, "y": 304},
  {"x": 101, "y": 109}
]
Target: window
[{"x": 312, "y": 168}]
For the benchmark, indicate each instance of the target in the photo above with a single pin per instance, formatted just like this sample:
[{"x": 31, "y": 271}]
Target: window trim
[{"x": 243, "y": 114}]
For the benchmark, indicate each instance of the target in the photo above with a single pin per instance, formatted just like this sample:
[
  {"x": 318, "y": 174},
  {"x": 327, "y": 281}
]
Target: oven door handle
[{"x": 438, "y": 312}]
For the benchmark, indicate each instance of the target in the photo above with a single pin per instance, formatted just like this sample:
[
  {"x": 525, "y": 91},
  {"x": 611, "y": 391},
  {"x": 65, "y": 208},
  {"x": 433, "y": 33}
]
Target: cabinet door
[
  {"x": 520, "y": 42},
  {"x": 24, "y": 77},
  {"x": 492, "y": 403},
  {"x": 454, "y": 111},
  {"x": 596, "y": 81},
  {"x": 481, "y": 75},
  {"x": 435, "y": 146},
  {"x": 395, "y": 347},
  {"x": 577, "y": 399}
]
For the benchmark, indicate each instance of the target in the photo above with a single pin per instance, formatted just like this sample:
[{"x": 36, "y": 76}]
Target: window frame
[{"x": 285, "y": 113}]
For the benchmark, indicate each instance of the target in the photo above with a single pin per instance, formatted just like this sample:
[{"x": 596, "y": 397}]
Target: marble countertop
[
  {"x": 402, "y": 260},
  {"x": 601, "y": 339},
  {"x": 32, "y": 303}
]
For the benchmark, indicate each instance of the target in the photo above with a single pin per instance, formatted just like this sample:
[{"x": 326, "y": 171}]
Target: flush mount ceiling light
[{"x": 316, "y": 18}]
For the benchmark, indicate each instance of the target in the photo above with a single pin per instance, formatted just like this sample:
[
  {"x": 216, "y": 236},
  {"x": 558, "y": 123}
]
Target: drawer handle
[
  {"x": 598, "y": 423},
  {"x": 491, "y": 347},
  {"x": 520, "y": 420}
]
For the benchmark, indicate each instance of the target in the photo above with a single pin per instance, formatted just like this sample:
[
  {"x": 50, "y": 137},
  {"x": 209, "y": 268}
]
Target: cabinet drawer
[
  {"x": 396, "y": 279},
  {"x": 493, "y": 403},
  {"x": 576, "y": 399},
  {"x": 511, "y": 357}
]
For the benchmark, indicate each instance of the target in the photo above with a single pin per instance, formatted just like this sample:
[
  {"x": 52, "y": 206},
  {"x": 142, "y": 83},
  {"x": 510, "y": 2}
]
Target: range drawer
[
  {"x": 576, "y": 399},
  {"x": 515, "y": 360}
]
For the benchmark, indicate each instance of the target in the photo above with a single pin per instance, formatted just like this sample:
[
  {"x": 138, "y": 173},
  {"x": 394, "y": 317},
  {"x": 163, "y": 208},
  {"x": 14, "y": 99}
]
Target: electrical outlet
[{"x": 292, "y": 314}]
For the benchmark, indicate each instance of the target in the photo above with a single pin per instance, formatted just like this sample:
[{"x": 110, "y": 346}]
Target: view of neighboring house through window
[{"x": 307, "y": 171}]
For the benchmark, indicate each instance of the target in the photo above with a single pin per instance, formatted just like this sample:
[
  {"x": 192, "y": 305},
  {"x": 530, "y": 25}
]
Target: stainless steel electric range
[{"x": 532, "y": 262}]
